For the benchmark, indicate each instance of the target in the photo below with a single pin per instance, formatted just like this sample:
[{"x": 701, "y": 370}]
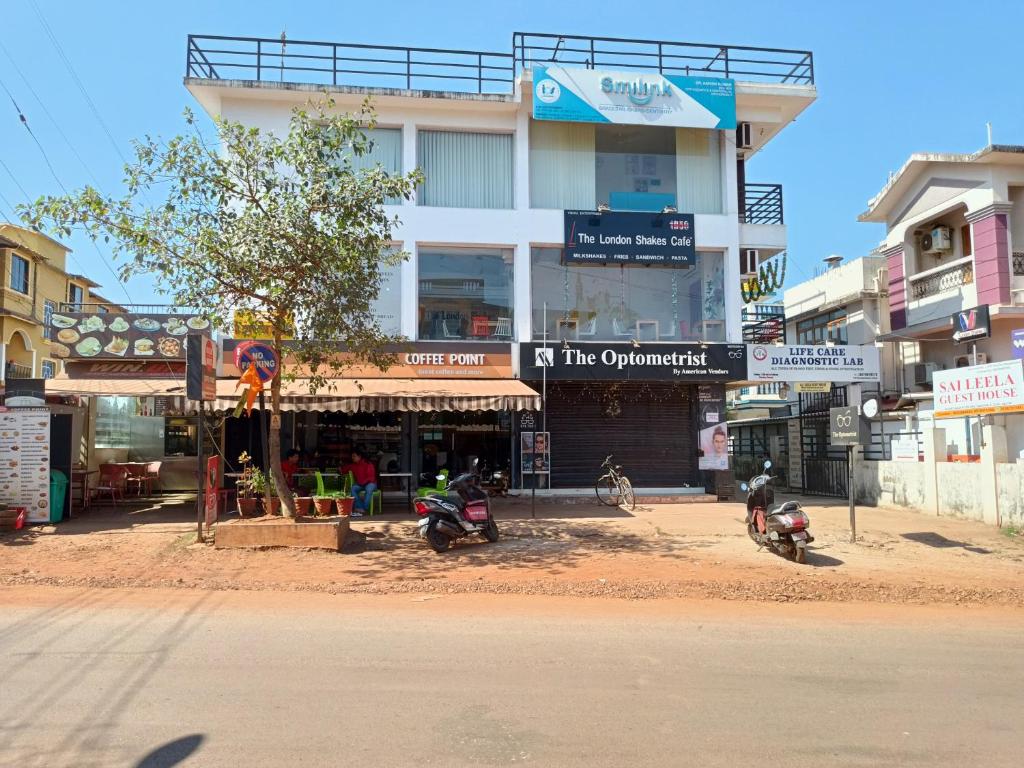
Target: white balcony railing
[{"x": 946, "y": 277}]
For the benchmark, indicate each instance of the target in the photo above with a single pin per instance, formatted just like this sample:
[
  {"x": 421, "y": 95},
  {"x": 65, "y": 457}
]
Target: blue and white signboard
[
  {"x": 1017, "y": 340},
  {"x": 600, "y": 96}
]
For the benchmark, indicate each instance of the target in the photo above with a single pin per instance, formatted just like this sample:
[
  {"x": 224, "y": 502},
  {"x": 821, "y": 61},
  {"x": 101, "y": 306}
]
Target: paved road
[{"x": 104, "y": 678}]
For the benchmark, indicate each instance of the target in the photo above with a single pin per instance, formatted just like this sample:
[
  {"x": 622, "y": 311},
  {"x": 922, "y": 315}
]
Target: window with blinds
[{"x": 465, "y": 170}]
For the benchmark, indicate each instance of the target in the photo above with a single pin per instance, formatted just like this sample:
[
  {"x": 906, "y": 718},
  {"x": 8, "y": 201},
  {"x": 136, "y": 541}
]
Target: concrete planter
[{"x": 305, "y": 533}]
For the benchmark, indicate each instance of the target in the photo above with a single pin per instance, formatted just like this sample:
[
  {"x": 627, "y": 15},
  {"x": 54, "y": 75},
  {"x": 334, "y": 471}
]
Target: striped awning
[
  {"x": 379, "y": 395},
  {"x": 341, "y": 395}
]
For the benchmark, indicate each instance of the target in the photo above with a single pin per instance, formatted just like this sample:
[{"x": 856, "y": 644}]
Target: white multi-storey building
[{"x": 510, "y": 141}]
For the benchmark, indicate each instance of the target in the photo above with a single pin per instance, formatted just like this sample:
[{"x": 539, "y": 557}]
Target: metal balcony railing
[
  {"x": 216, "y": 57},
  {"x": 765, "y": 324},
  {"x": 948, "y": 278},
  {"x": 772, "y": 65},
  {"x": 1018, "y": 263},
  {"x": 762, "y": 204},
  {"x": 131, "y": 309},
  {"x": 17, "y": 371},
  {"x": 279, "y": 60}
]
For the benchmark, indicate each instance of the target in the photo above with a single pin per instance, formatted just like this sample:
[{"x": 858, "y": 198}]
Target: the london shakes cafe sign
[
  {"x": 620, "y": 237},
  {"x": 623, "y": 361}
]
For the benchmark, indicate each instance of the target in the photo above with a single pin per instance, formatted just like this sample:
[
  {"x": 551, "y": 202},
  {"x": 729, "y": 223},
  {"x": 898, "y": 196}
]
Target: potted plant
[
  {"x": 303, "y": 499},
  {"x": 271, "y": 505},
  {"x": 323, "y": 502},
  {"x": 245, "y": 487},
  {"x": 344, "y": 502}
]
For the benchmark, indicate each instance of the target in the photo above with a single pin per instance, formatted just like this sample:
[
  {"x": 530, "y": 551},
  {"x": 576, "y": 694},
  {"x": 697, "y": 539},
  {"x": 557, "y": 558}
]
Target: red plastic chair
[
  {"x": 481, "y": 326},
  {"x": 113, "y": 481}
]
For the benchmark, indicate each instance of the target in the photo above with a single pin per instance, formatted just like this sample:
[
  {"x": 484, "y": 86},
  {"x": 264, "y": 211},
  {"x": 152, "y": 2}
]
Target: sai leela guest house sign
[
  {"x": 979, "y": 390},
  {"x": 768, "y": 362}
]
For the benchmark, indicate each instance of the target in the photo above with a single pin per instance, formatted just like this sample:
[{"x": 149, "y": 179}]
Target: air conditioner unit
[
  {"x": 923, "y": 373},
  {"x": 965, "y": 361},
  {"x": 743, "y": 136},
  {"x": 939, "y": 240},
  {"x": 748, "y": 261}
]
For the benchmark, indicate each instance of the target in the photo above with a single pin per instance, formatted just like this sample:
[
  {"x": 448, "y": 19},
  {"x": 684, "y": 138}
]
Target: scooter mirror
[
  {"x": 440, "y": 477},
  {"x": 767, "y": 463},
  {"x": 744, "y": 487}
]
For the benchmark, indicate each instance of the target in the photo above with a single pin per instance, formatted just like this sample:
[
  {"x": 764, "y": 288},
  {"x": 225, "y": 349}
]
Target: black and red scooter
[
  {"x": 784, "y": 528},
  {"x": 462, "y": 510}
]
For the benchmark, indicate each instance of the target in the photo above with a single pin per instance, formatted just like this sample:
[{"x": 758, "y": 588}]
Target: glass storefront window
[
  {"x": 620, "y": 303},
  {"x": 465, "y": 293},
  {"x": 640, "y": 168},
  {"x": 113, "y": 421},
  {"x": 830, "y": 326},
  {"x": 387, "y": 307}
]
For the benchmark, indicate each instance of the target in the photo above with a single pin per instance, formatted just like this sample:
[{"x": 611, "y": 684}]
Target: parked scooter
[
  {"x": 463, "y": 509},
  {"x": 783, "y": 529}
]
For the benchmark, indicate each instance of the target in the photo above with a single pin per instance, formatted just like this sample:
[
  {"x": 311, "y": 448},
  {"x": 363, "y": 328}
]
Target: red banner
[{"x": 212, "y": 472}]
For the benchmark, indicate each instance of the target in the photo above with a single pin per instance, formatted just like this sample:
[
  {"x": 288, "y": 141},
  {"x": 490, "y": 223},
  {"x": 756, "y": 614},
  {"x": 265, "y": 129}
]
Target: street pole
[
  {"x": 201, "y": 475},
  {"x": 849, "y": 487},
  {"x": 265, "y": 436}
]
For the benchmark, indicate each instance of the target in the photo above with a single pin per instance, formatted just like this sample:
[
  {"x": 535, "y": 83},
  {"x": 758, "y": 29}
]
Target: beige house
[{"x": 34, "y": 282}]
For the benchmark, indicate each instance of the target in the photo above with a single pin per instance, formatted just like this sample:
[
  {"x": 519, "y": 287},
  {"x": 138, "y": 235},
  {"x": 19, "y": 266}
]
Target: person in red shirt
[
  {"x": 364, "y": 481},
  {"x": 290, "y": 466}
]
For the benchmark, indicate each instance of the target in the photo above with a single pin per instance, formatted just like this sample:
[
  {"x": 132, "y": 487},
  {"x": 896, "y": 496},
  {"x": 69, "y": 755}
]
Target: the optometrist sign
[
  {"x": 633, "y": 98},
  {"x": 591, "y": 360},
  {"x": 845, "y": 426},
  {"x": 768, "y": 362}
]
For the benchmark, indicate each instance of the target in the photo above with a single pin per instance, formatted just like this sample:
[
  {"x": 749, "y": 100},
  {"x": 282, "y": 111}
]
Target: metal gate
[{"x": 825, "y": 469}]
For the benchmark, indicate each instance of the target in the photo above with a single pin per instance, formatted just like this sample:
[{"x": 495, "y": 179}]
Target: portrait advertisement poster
[
  {"x": 25, "y": 462},
  {"x": 535, "y": 452},
  {"x": 714, "y": 431}
]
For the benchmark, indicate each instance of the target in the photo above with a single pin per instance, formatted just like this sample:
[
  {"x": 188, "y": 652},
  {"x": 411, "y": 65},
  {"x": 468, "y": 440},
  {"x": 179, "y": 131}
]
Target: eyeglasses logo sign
[{"x": 844, "y": 421}]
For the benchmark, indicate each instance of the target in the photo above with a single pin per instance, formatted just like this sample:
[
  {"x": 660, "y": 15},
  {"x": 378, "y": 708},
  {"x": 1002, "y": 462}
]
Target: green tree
[{"x": 287, "y": 226}]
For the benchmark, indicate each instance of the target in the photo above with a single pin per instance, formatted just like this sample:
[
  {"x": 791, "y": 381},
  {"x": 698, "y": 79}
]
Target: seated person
[
  {"x": 290, "y": 466},
  {"x": 364, "y": 481}
]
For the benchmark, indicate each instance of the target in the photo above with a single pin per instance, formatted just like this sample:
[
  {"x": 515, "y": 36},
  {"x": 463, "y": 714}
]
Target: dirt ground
[{"x": 689, "y": 551}]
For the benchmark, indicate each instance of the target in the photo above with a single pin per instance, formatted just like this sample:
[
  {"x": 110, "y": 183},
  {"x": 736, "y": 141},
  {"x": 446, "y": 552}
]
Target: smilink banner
[{"x": 633, "y": 98}]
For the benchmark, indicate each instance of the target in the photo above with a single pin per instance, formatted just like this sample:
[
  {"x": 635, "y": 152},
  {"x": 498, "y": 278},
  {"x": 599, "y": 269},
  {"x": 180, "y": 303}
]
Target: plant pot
[
  {"x": 274, "y": 506},
  {"x": 303, "y": 505},
  {"x": 345, "y": 506},
  {"x": 323, "y": 506},
  {"x": 246, "y": 507}
]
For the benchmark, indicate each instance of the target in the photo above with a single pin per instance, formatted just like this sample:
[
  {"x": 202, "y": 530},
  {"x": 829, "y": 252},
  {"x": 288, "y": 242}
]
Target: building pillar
[
  {"x": 993, "y": 453},
  {"x": 934, "y": 453},
  {"x": 409, "y": 275},
  {"x": 991, "y": 243},
  {"x": 896, "y": 266}
]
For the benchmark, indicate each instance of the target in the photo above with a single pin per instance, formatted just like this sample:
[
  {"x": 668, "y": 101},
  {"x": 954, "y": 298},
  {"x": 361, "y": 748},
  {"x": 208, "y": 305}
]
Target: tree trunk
[{"x": 283, "y": 491}]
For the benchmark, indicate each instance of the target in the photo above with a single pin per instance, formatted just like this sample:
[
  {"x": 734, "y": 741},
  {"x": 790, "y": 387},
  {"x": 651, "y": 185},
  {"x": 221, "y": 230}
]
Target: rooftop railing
[{"x": 280, "y": 60}]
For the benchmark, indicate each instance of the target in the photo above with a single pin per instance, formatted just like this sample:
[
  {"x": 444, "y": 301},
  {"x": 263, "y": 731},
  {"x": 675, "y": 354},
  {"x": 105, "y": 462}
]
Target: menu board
[
  {"x": 105, "y": 335},
  {"x": 25, "y": 461}
]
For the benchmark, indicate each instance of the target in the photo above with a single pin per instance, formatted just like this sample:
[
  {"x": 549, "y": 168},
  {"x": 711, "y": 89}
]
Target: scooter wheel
[
  {"x": 491, "y": 531},
  {"x": 800, "y": 556},
  {"x": 437, "y": 540}
]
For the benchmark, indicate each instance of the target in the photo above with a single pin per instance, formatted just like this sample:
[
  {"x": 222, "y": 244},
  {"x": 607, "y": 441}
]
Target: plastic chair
[
  {"x": 153, "y": 475},
  {"x": 481, "y": 325},
  {"x": 438, "y": 486},
  {"x": 112, "y": 481},
  {"x": 138, "y": 478}
]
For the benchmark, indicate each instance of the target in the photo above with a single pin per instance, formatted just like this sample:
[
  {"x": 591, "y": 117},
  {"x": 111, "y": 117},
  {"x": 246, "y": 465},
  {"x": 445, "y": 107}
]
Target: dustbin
[{"x": 58, "y": 487}]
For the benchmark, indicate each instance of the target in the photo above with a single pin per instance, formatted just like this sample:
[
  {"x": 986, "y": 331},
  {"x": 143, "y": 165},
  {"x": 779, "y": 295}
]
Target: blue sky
[{"x": 893, "y": 78}]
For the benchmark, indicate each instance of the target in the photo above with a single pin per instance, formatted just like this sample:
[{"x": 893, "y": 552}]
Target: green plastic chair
[
  {"x": 438, "y": 487},
  {"x": 376, "y": 499}
]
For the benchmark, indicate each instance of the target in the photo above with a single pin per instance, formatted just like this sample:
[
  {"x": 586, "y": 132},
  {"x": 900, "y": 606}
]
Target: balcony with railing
[
  {"x": 14, "y": 370},
  {"x": 942, "y": 279},
  {"x": 764, "y": 324},
  {"x": 280, "y": 60},
  {"x": 761, "y": 204}
]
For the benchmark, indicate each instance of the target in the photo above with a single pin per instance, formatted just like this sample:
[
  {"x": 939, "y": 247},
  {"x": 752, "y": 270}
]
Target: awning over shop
[
  {"x": 114, "y": 387},
  {"x": 369, "y": 395},
  {"x": 343, "y": 395}
]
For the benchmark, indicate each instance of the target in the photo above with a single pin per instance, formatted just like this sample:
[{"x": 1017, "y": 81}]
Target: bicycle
[{"x": 613, "y": 488}]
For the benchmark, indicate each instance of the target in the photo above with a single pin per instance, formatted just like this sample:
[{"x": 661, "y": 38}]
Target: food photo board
[{"x": 104, "y": 335}]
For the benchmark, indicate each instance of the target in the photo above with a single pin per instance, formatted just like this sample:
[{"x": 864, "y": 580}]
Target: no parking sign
[{"x": 260, "y": 356}]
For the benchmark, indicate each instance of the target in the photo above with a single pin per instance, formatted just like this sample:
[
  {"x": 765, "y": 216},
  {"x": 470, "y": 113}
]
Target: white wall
[{"x": 517, "y": 229}]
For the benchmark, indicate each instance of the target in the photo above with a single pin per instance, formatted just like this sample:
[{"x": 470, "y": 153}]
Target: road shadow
[
  {"x": 937, "y": 540},
  {"x": 172, "y": 753},
  {"x": 818, "y": 560}
]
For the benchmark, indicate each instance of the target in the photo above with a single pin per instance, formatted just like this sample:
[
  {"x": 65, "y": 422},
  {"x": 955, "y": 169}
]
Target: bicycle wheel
[
  {"x": 626, "y": 497},
  {"x": 607, "y": 491}
]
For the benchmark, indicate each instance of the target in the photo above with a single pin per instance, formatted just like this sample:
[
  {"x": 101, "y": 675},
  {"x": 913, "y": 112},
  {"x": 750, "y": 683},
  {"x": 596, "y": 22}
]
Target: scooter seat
[{"x": 785, "y": 508}]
